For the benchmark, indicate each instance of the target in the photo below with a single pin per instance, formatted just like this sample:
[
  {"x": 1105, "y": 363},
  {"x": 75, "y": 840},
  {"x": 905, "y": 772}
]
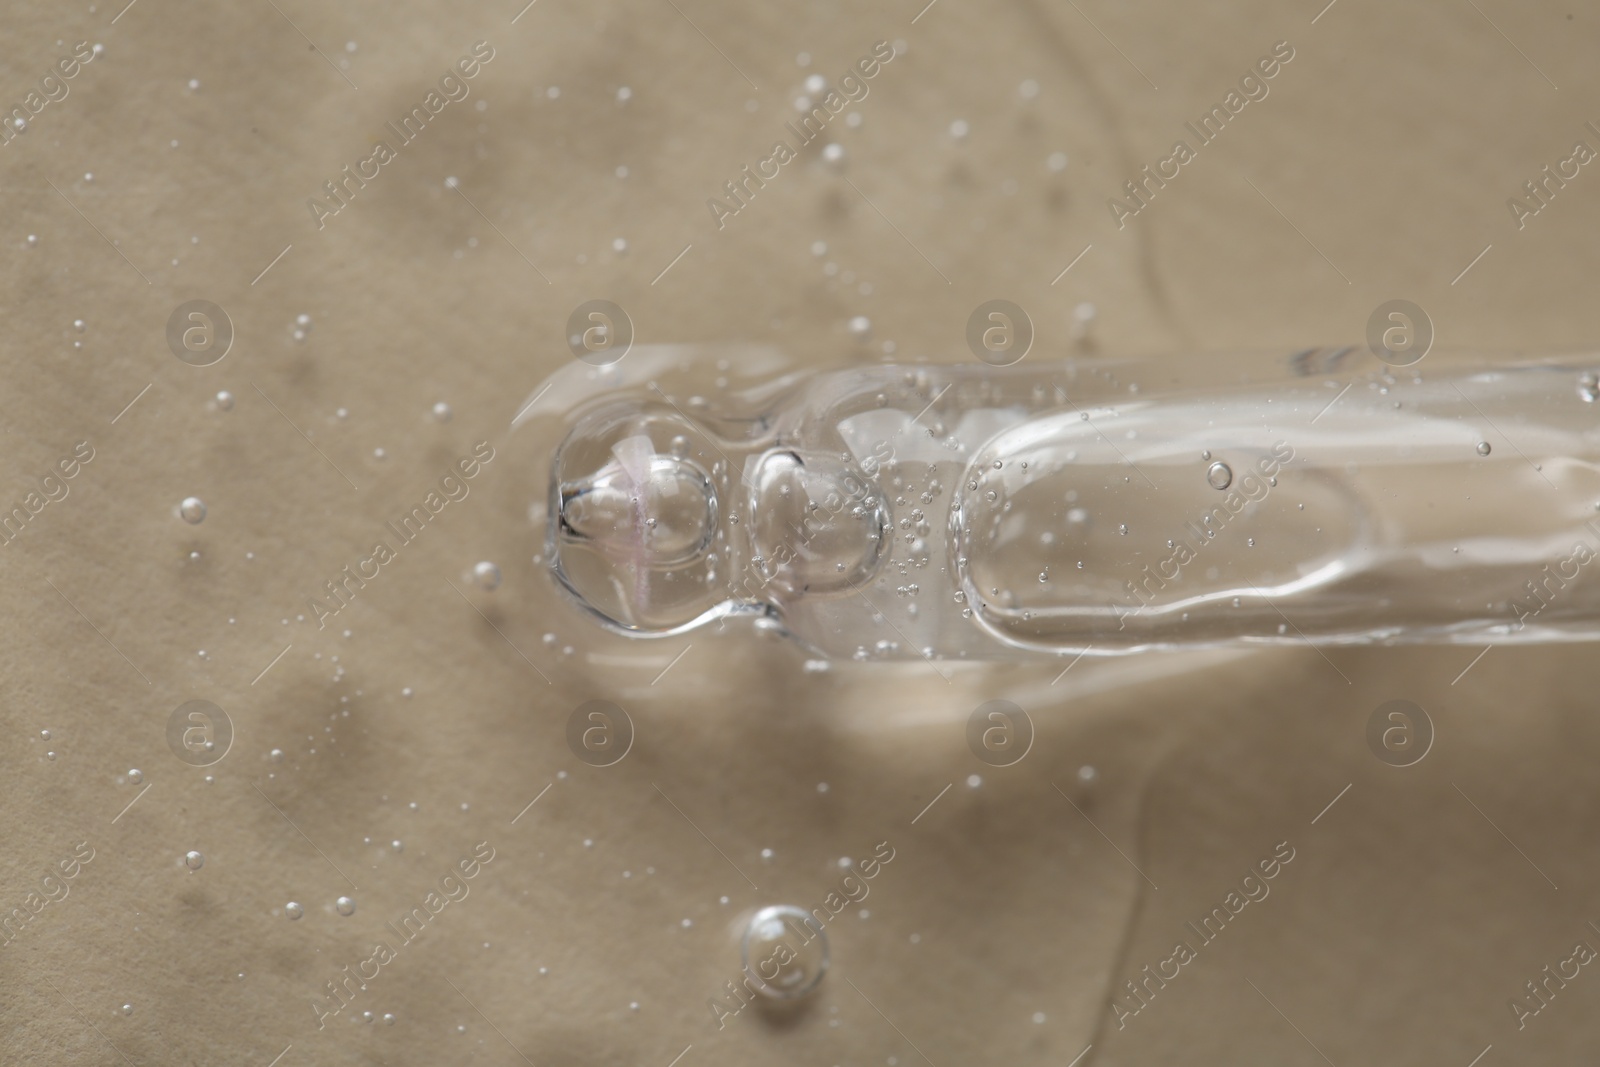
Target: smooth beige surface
[{"x": 1378, "y": 167}]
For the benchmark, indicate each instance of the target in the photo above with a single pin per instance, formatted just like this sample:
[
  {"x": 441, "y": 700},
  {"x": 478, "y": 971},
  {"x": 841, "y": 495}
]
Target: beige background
[{"x": 1381, "y": 163}]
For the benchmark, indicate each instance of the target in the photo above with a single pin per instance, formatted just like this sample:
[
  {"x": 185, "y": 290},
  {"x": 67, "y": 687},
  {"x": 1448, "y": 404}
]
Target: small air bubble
[
  {"x": 194, "y": 860},
  {"x": 345, "y": 906},
  {"x": 486, "y": 576},
  {"x": 293, "y": 910},
  {"x": 192, "y": 510},
  {"x": 1483, "y": 448}
]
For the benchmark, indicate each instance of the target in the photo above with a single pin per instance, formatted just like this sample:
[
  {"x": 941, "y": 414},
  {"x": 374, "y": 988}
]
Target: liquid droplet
[
  {"x": 784, "y": 952},
  {"x": 486, "y": 576},
  {"x": 1219, "y": 475},
  {"x": 193, "y": 860},
  {"x": 294, "y": 909},
  {"x": 345, "y": 906}
]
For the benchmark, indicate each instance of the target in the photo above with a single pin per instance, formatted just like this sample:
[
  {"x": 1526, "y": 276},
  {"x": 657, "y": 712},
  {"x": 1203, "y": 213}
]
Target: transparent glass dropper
[{"x": 1102, "y": 507}]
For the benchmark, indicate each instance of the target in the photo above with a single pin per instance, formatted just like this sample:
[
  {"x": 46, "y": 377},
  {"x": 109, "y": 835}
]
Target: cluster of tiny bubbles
[
  {"x": 1483, "y": 448},
  {"x": 345, "y": 906},
  {"x": 442, "y": 412},
  {"x": 302, "y": 326},
  {"x": 486, "y": 576},
  {"x": 294, "y": 910},
  {"x": 193, "y": 860}
]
